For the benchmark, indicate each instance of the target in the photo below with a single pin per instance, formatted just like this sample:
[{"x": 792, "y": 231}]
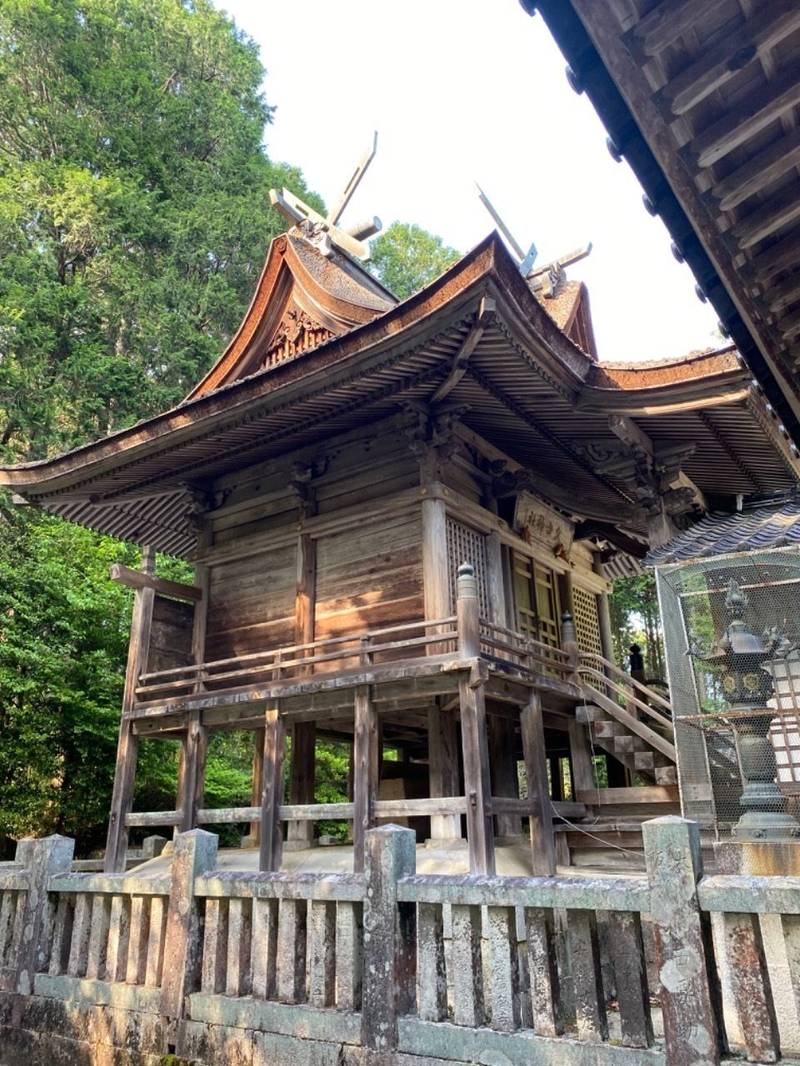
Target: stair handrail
[
  {"x": 609, "y": 667},
  {"x": 631, "y": 722},
  {"x": 618, "y": 689}
]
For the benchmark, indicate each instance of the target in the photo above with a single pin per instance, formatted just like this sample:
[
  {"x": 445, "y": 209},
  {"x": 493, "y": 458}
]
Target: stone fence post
[
  {"x": 195, "y": 854},
  {"x": 690, "y": 998},
  {"x": 42, "y": 859},
  {"x": 389, "y": 977}
]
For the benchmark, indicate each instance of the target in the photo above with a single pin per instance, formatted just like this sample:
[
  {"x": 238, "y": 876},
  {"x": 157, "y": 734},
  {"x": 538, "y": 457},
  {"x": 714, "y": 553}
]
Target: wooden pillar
[
  {"x": 271, "y": 832},
  {"x": 257, "y": 786},
  {"x": 435, "y": 573},
  {"x": 305, "y": 597},
  {"x": 300, "y": 834},
  {"x": 581, "y": 761},
  {"x": 474, "y": 740},
  {"x": 366, "y": 770},
  {"x": 494, "y": 574},
  {"x": 541, "y": 811},
  {"x": 193, "y": 771},
  {"x": 556, "y": 780},
  {"x": 127, "y": 744},
  {"x": 503, "y": 763},
  {"x": 443, "y": 769},
  {"x": 194, "y": 743},
  {"x": 604, "y": 617}
]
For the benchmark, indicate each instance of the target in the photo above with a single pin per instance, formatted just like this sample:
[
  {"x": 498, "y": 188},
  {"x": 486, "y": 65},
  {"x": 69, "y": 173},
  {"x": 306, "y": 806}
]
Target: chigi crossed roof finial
[
  {"x": 553, "y": 273},
  {"x": 326, "y": 231}
]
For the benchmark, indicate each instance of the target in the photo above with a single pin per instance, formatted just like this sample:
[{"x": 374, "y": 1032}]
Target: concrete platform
[{"x": 512, "y": 860}]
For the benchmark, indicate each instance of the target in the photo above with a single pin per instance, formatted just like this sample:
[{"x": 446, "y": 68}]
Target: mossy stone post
[
  {"x": 389, "y": 975},
  {"x": 689, "y": 997},
  {"x": 195, "y": 854},
  {"x": 42, "y": 859}
]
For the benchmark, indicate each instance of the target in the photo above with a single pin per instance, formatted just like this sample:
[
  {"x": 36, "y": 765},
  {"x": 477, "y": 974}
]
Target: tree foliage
[
  {"x": 134, "y": 219},
  {"x": 405, "y": 258},
  {"x": 635, "y": 619},
  {"x": 134, "y": 208}
]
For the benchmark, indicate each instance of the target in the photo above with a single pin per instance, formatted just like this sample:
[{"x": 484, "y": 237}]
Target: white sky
[{"x": 463, "y": 91}]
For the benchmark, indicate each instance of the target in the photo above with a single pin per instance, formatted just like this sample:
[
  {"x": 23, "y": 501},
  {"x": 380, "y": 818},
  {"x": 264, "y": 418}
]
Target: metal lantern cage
[{"x": 732, "y": 636}]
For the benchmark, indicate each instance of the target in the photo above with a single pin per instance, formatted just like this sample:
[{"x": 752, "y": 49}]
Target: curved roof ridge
[{"x": 675, "y": 360}]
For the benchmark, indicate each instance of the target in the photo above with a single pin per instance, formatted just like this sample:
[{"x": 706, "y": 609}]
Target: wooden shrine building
[{"x": 404, "y": 518}]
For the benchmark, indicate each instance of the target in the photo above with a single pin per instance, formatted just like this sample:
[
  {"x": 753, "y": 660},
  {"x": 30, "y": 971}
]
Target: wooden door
[{"x": 536, "y": 600}]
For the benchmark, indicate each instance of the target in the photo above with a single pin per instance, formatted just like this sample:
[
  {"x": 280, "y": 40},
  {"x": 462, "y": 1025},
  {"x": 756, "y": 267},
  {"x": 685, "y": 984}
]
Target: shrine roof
[
  {"x": 761, "y": 525},
  {"x": 562, "y": 306},
  {"x": 477, "y": 337}
]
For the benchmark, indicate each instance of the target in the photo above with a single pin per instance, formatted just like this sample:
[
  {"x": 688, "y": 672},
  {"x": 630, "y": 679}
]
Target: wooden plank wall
[
  {"x": 370, "y": 576},
  {"x": 170, "y": 634},
  {"x": 252, "y": 603}
]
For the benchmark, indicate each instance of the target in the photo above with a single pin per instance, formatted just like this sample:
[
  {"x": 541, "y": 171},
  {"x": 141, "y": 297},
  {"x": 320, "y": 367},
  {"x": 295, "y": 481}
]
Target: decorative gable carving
[
  {"x": 297, "y": 332},
  {"x": 302, "y": 300}
]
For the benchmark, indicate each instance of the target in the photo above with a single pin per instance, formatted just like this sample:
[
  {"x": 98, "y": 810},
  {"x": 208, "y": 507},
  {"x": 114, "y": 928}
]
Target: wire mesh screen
[{"x": 732, "y": 637}]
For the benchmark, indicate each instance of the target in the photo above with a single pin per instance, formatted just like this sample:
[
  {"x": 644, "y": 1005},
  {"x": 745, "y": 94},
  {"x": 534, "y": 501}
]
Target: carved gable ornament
[
  {"x": 539, "y": 525},
  {"x": 297, "y": 332}
]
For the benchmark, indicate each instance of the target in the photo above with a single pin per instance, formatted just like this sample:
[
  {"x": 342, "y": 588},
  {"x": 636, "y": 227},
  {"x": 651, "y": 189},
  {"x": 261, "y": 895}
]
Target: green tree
[
  {"x": 635, "y": 619},
  {"x": 134, "y": 220},
  {"x": 405, "y": 258},
  {"x": 134, "y": 208}
]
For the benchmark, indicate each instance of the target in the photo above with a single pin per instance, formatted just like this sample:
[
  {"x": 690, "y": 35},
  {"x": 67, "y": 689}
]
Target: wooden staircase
[{"x": 632, "y": 722}]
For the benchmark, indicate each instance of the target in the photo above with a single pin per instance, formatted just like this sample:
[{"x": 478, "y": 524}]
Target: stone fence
[{"x": 191, "y": 963}]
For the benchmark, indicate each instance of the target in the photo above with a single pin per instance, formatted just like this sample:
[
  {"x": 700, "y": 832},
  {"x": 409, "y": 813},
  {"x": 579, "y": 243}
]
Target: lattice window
[
  {"x": 536, "y": 600},
  {"x": 466, "y": 545},
  {"x": 587, "y": 620},
  {"x": 785, "y": 736}
]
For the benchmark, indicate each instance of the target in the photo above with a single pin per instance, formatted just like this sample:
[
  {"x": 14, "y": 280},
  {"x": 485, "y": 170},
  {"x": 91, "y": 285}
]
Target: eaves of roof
[{"x": 590, "y": 73}]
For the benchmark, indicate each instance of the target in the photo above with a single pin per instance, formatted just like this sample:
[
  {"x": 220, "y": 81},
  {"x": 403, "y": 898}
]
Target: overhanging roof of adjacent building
[
  {"x": 518, "y": 381},
  {"x": 761, "y": 525},
  {"x": 701, "y": 98}
]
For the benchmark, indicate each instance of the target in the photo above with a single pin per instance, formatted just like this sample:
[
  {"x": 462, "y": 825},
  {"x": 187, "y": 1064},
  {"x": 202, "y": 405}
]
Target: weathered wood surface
[
  {"x": 171, "y": 628},
  {"x": 505, "y": 780},
  {"x": 384, "y": 558},
  {"x": 300, "y": 833},
  {"x": 442, "y": 767},
  {"x": 191, "y": 782},
  {"x": 271, "y": 831},
  {"x": 366, "y": 767},
  {"x": 541, "y": 815},
  {"x": 137, "y": 579},
  {"x": 251, "y": 604},
  {"x": 127, "y": 745}
]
